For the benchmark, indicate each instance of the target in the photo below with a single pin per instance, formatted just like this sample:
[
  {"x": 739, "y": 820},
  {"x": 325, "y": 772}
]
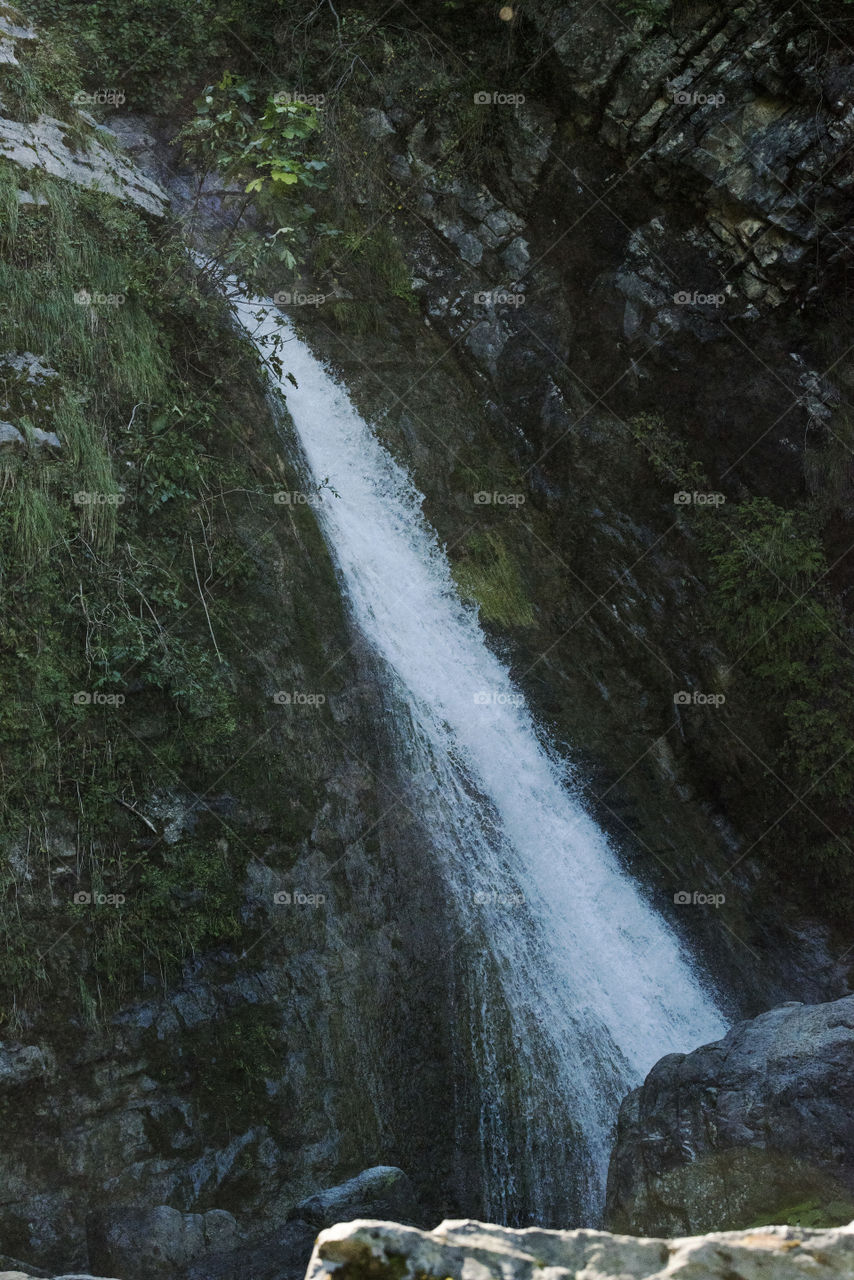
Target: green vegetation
[
  {"x": 781, "y": 623},
  {"x": 488, "y": 575},
  {"x": 227, "y": 1062},
  {"x": 773, "y": 612},
  {"x": 264, "y": 151},
  {"x": 654, "y": 11},
  {"x": 813, "y": 1214},
  {"x": 128, "y": 569},
  {"x": 151, "y": 53},
  {"x": 666, "y": 453}
]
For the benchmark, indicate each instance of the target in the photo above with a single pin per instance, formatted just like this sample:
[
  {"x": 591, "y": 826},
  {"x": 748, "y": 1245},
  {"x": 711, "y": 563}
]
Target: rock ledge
[{"x": 466, "y": 1250}]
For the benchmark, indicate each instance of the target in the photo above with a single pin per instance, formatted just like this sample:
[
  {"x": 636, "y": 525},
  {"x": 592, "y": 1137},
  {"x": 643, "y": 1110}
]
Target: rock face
[
  {"x": 149, "y": 1244},
  {"x": 625, "y": 249},
  {"x": 162, "y": 1243},
  {"x": 466, "y": 1250},
  {"x": 758, "y": 1126},
  {"x": 161, "y": 1106},
  {"x": 43, "y": 145}
]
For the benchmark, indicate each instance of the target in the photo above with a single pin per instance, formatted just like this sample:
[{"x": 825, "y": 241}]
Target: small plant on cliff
[
  {"x": 667, "y": 455},
  {"x": 784, "y": 627},
  {"x": 267, "y": 151}
]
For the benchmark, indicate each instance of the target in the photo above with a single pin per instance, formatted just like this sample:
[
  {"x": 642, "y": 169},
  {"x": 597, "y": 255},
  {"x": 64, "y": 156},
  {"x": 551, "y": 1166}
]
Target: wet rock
[
  {"x": 529, "y": 139},
  {"x": 284, "y": 1254},
  {"x": 750, "y": 1127},
  {"x": 516, "y": 256}
]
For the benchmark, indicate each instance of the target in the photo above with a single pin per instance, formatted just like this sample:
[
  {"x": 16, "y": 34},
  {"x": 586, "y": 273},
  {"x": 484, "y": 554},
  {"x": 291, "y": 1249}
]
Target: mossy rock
[{"x": 735, "y": 1189}]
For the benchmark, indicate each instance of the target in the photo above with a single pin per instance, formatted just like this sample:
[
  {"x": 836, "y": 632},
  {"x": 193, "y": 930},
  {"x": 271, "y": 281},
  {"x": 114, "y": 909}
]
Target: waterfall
[{"x": 568, "y": 985}]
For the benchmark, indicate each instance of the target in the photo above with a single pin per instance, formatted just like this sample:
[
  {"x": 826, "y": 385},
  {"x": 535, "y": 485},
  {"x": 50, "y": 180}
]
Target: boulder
[
  {"x": 383, "y": 1191},
  {"x": 285, "y": 1252},
  {"x": 757, "y": 1127},
  {"x": 282, "y": 1255},
  {"x": 155, "y": 1244},
  {"x": 464, "y": 1250}
]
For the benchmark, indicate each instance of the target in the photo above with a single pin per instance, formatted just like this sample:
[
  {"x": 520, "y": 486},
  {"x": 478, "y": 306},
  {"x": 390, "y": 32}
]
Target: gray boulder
[
  {"x": 284, "y": 1254},
  {"x": 383, "y": 1191},
  {"x": 150, "y": 1244},
  {"x": 466, "y": 1250},
  {"x": 758, "y": 1127}
]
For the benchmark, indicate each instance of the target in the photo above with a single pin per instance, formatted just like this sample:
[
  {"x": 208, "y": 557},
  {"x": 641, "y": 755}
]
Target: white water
[{"x": 569, "y": 986}]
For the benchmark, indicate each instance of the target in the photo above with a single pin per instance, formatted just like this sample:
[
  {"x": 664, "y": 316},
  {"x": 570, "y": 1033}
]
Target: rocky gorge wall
[{"x": 530, "y": 339}]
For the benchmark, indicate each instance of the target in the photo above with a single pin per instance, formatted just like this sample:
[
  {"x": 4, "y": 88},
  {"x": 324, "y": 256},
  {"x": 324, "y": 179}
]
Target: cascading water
[{"x": 569, "y": 985}]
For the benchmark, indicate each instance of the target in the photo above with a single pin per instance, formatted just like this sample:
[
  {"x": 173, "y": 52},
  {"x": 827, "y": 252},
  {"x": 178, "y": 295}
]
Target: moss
[
  {"x": 810, "y": 1213},
  {"x": 488, "y": 574},
  {"x": 734, "y": 1189},
  {"x": 363, "y": 1264}
]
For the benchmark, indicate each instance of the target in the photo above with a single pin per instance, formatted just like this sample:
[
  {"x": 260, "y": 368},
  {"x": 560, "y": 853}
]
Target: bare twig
[
  {"x": 136, "y": 813},
  {"x": 204, "y": 602}
]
